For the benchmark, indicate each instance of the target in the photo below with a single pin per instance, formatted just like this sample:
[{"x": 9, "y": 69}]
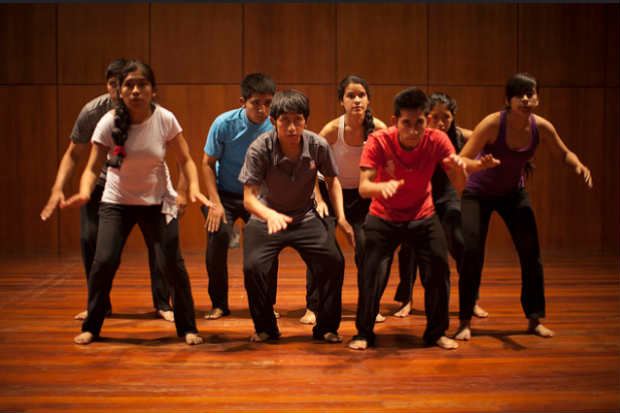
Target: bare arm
[
  {"x": 216, "y": 214},
  {"x": 88, "y": 180},
  {"x": 188, "y": 168},
  {"x": 275, "y": 220},
  {"x": 485, "y": 132},
  {"x": 466, "y": 133},
  {"x": 335, "y": 196},
  {"x": 182, "y": 185},
  {"x": 559, "y": 150},
  {"x": 370, "y": 189},
  {"x": 65, "y": 170}
]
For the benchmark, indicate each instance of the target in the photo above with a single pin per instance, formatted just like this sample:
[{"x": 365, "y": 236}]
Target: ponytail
[{"x": 369, "y": 123}]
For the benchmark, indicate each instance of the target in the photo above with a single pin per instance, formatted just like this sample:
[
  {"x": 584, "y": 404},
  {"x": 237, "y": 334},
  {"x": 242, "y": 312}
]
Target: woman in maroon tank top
[{"x": 512, "y": 136}]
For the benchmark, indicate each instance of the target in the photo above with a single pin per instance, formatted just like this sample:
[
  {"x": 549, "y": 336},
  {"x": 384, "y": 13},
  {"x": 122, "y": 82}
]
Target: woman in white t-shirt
[{"x": 134, "y": 137}]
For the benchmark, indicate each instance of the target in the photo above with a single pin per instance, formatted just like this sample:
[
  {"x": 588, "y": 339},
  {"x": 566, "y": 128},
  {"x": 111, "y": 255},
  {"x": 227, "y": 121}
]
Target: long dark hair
[
  {"x": 368, "y": 123},
  {"x": 440, "y": 98},
  {"x": 122, "y": 119}
]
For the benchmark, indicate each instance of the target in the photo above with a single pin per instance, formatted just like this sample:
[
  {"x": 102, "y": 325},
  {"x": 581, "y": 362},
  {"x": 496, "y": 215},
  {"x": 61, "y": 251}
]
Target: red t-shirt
[{"x": 384, "y": 153}]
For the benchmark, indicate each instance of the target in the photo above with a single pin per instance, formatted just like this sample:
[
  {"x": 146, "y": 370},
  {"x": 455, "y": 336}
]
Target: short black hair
[
  {"x": 520, "y": 84},
  {"x": 257, "y": 83},
  {"x": 411, "y": 98},
  {"x": 290, "y": 100},
  {"x": 115, "y": 68}
]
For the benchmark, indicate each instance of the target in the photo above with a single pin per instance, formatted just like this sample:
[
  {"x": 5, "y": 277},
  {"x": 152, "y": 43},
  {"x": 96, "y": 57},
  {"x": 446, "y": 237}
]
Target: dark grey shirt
[
  {"x": 87, "y": 120},
  {"x": 285, "y": 185}
]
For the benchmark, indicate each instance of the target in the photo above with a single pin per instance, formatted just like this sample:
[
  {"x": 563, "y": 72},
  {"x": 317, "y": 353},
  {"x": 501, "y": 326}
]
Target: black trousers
[
  {"x": 427, "y": 240},
  {"x": 89, "y": 223},
  {"x": 317, "y": 247},
  {"x": 516, "y": 211},
  {"x": 449, "y": 214},
  {"x": 115, "y": 225},
  {"x": 216, "y": 255},
  {"x": 355, "y": 211}
]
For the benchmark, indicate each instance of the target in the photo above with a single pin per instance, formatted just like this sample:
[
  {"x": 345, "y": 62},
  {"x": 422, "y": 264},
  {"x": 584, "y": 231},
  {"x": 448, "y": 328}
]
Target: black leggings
[
  {"x": 89, "y": 223},
  {"x": 426, "y": 238},
  {"x": 318, "y": 248},
  {"x": 516, "y": 211},
  {"x": 115, "y": 224}
]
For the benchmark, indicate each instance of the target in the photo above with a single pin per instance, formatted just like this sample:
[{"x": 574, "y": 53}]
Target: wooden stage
[{"x": 140, "y": 365}]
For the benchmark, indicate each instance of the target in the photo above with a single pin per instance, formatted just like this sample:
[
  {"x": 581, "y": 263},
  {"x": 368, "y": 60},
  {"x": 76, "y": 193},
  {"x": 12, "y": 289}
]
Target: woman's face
[
  {"x": 440, "y": 118},
  {"x": 524, "y": 104},
  {"x": 136, "y": 91},
  {"x": 355, "y": 100}
]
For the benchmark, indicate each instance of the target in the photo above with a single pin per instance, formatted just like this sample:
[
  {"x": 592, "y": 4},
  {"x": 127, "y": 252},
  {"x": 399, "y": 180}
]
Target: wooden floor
[{"x": 140, "y": 365}]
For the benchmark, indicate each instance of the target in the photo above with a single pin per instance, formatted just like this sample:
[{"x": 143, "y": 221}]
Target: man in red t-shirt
[{"x": 396, "y": 169}]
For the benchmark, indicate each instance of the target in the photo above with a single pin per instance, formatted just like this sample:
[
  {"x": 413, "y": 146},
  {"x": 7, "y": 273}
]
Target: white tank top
[{"x": 347, "y": 158}]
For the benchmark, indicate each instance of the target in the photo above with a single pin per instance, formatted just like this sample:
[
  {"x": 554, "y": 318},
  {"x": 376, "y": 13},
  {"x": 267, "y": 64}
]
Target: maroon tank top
[{"x": 508, "y": 176}]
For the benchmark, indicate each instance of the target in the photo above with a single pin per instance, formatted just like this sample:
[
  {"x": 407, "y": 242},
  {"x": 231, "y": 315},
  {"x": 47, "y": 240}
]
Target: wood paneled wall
[{"x": 53, "y": 58}]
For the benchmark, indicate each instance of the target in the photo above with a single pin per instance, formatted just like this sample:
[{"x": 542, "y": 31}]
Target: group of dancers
[{"x": 384, "y": 187}]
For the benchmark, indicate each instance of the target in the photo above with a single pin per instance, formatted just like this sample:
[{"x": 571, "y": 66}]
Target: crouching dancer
[
  {"x": 278, "y": 175},
  {"x": 397, "y": 164}
]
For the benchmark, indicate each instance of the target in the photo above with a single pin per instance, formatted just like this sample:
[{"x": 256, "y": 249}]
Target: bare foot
[
  {"x": 215, "y": 314},
  {"x": 259, "y": 337},
  {"x": 332, "y": 338},
  {"x": 446, "y": 343},
  {"x": 84, "y": 338},
  {"x": 358, "y": 344},
  {"x": 464, "y": 332},
  {"x": 276, "y": 314},
  {"x": 166, "y": 315},
  {"x": 82, "y": 315},
  {"x": 535, "y": 327},
  {"x": 480, "y": 312},
  {"x": 379, "y": 318},
  {"x": 403, "y": 311},
  {"x": 193, "y": 339},
  {"x": 308, "y": 318}
]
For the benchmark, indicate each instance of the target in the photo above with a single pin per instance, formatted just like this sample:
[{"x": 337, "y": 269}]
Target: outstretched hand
[
  {"x": 455, "y": 162},
  {"x": 583, "y": 170},
  {"x": 488, "y": 161},
  {"x": 389, "y": 188},
  {"x": 56, "y": 198},
  {"x": 198, "y": 196},
  {"x": 277, "y": 222}
]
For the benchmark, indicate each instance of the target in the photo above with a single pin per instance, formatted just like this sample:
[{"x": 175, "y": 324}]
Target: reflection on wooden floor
[{"x": 140, "y": 365}]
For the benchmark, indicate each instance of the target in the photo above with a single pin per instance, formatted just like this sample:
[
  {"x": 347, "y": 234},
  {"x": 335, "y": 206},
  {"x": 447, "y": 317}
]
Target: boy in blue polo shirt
[{"x": 227, "y": 142}]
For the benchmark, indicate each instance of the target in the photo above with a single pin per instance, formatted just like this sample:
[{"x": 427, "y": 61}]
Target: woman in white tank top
[{"x": 346, "y": 135}]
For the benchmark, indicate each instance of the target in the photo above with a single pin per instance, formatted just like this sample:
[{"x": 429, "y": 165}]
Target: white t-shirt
[{"x": 143, "y": 178}]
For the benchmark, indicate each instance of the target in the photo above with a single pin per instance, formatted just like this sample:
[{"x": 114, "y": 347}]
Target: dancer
[
  {"x": 134, "y": 137},
  {"x": 446, "y": 201},
  {"x": 227, "y": 142},
  {"x": 512, "y": 136},
  {"x": 346, "y": 135},
  {"x": 396, "y": 167},
  {"x": 279, "y": 174},
  {"x": 89, "y": 218}
]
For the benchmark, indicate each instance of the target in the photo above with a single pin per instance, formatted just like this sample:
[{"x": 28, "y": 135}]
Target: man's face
[
  {"x": 411, "y": 125},
  {"x": 113, "y": 88},
  {"x": 290, "y": 126},
  {"x": 257, "y": 107}
]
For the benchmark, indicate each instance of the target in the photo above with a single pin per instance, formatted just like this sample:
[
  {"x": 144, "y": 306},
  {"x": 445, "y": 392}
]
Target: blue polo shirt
[{"x": 229, "y": 138}]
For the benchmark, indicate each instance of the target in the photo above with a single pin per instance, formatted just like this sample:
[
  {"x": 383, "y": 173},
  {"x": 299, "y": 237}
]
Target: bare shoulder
[
  {"x": 379, "y": 124},
  {"x": 330, "y": 131}
]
